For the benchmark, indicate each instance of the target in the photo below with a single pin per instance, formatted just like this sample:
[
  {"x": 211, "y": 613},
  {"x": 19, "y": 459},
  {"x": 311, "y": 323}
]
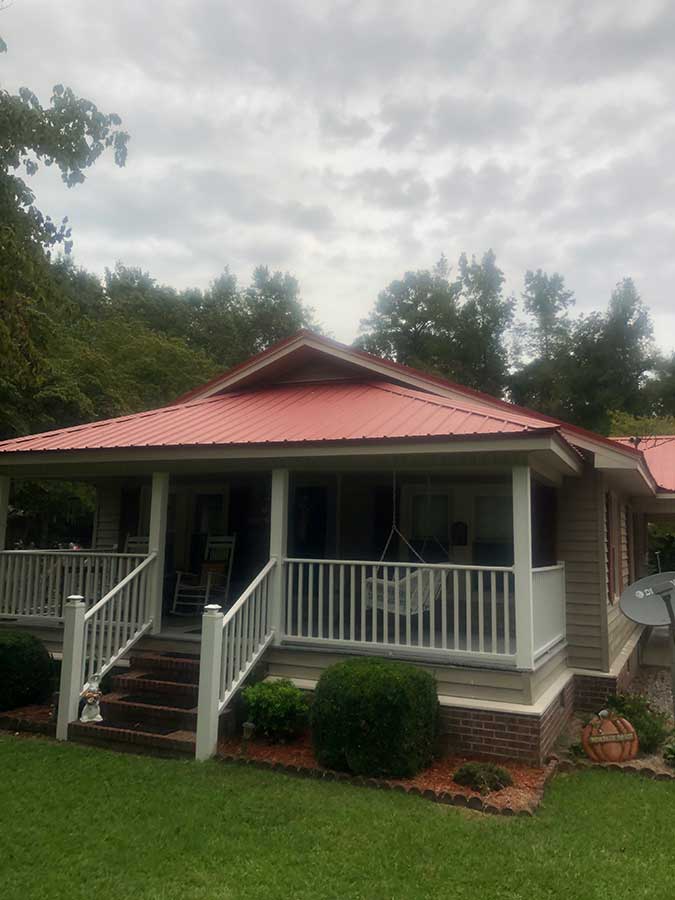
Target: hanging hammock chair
[{"x": 383, "y": 592}]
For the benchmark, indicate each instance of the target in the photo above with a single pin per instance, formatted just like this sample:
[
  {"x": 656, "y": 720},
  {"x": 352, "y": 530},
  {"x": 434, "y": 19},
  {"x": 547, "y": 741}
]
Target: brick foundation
[
  {"x": 591, "y": 691},
  {"x": 530, "y": 738},
  {"x": 496, "y": 734}
]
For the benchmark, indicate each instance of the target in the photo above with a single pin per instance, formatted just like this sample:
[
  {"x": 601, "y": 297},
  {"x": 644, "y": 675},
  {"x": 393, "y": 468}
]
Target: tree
[
  {"x": 482, "y": 359},
  {"x": 540, "y": 381},
  {"x": 610, "y": 360},
  {"x": 547, "y": 300},
  {"x": 451, "y": 327},
  {"x": 414, "y": 320},
  {"x": 71, "y": 133}
]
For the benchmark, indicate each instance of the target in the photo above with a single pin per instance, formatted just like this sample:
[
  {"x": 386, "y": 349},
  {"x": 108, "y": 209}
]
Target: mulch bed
[
  {"x": 37, "y": 719},
  {"x": 434, "y": 783}
]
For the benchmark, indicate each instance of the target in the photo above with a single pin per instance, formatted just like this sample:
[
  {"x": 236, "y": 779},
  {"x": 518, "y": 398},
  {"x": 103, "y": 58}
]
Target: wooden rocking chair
[{"x": 195, "y": 591}]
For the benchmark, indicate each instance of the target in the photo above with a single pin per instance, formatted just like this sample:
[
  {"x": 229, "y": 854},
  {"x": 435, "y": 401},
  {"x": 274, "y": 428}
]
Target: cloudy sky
[{"x": 349, "y": 141}]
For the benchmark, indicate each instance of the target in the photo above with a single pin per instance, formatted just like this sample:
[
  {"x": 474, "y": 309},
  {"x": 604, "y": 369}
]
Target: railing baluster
[
  {"x": 363, "y": 603},
  {"x": 468, "y": 600},
  {"x": 289, "y": 598},
  {"x": 310, "y": 601},
  {"x": 385, "y": 604},
  {"x": 493, "y": 607},
  {"x": 444, "y": 610},
  {"x": 432, "y": 608},
  {"x": 331, "y": 595},
  {"x": 420, "y": 609},
  {"x": 300, "y": 630},
  {"x": 376, "y": 594},
  {"x": 320, "y": 609},
  {"x": 507, "y": 615},
  {"x": 408, "y": 612},
  {"x": 352, "y": 602},
  {"x": 342, "y": 603},
  {"x": 397, "y": 607},
  {"x": 481, "y": 615}
]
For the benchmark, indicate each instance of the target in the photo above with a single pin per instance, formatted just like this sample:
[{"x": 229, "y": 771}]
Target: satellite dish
[{"x": 647, "y": 601}]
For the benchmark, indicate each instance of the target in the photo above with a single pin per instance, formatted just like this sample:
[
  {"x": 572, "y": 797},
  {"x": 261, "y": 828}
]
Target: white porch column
[
  {"x": 4, "y": 509},
  {"x": 70, "y": 684},
  {"x": 156, "y": 544},
  {"x": 522, "y": 561},
  {"x": 208, "y": 698},
  {"x": 279, "y": 547}
]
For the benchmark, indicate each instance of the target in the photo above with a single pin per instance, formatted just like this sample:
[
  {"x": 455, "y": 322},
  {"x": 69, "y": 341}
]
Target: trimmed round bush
[
  {"x": 278, "y": 709},
  {"x": 483, "y": 777},
  {"x": 375, "y": 717},
  {"x": 25, "y": 670}
]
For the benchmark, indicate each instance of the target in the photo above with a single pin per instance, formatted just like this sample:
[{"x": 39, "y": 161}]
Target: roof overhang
[{"x": 545, "y": 452}]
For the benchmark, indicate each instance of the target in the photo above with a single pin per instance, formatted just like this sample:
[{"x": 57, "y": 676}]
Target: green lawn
[{"x": 83, "y": 823}]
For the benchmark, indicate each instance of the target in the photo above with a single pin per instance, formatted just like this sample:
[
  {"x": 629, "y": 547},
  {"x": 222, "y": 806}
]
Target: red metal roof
[
  {"x": 659, "y": 454},
  {"x": 290, "y": 414}
]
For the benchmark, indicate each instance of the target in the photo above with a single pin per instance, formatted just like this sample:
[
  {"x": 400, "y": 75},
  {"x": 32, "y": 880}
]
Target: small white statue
[{"x": 91, "y": 711}]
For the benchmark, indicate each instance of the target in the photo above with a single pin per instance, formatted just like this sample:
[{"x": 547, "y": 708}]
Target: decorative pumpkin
[{"x": 609, "y": 738}]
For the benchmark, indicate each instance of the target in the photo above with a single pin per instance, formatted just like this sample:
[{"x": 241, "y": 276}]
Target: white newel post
[
  {"x": 209, "y": 682},
  {"x": 279, "y": 548},
  {"x": 4, "y": 509},
  {"x": 522, "y": 561},
  {"x": 156, "y": 544},
  {"x": 70, "y": 685}
]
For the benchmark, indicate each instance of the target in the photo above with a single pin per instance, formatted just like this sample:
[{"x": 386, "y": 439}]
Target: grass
[{"x": 79, "y": 823}]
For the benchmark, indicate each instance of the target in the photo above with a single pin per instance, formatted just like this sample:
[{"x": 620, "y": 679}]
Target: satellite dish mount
[{"x": 649, "y": 601}]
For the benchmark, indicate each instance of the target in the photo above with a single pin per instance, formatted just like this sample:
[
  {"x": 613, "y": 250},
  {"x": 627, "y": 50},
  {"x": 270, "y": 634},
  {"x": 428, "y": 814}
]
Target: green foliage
[
  {"x": 650, "y": 724},
  {"x": 278, "y": 709},
  {"x": 623, "y": 424},
  {"x": 375, "y": 717},
  {"x": 454, "y": 327},
  {"x": 484, "y": 777},
  {"x": 662, "y": 541},
  {"x": 669, "y": 752},
  {"x": 25, "y": 670}
]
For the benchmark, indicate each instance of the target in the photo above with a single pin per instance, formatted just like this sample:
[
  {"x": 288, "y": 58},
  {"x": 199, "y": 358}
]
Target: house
[{"x": 370, "y": 509}]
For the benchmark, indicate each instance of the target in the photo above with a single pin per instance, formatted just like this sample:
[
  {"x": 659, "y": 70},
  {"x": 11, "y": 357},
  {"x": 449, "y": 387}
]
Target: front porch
[{"x": 461, "y": 576}]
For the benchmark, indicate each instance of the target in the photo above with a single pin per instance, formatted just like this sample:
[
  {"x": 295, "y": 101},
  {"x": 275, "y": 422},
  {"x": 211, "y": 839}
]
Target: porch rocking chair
[{"x": 212, "y": 584}]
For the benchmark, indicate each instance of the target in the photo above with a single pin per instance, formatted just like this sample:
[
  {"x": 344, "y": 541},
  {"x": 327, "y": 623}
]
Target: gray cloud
[{"x": 349, "y": 142}]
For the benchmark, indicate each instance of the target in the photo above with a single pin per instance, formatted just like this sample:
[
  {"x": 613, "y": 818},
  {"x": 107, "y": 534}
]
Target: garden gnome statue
[{"x": 91, "y": 711}]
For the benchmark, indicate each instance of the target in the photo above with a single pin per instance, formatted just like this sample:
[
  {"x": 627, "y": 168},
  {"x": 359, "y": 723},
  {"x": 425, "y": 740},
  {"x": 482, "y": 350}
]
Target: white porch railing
[
  {"x": 95, "y": 639},
  {"x": 548, "y": 603},
  {"x": 231, "y": 645},
  {"x": 451, "y": 610},
  {"x": 37, "y": 583}
]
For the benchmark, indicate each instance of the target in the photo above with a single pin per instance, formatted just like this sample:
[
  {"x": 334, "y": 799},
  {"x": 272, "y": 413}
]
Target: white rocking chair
[{"x": 195, "y": 591}]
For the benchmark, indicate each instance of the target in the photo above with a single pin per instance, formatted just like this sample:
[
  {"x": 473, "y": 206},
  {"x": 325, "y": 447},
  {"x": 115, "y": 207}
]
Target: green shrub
[
  {"x": 25, "y": 670},
  {"x": 375, "y": 717},
  {"x": 669, "y": 752},
  {"x": 650, "y": 724},
  {"x": 278, "y": 709},
  {"x": 483, "y": 776}
]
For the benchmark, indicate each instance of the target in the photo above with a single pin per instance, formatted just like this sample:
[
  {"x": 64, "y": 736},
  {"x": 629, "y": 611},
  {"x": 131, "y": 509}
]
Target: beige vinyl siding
[
  {"x": 581, "y": 517},
  {"x": 452, "y": 681},
  {"x": 106, "y": 518},
  {"x": 619, "y": 628}
]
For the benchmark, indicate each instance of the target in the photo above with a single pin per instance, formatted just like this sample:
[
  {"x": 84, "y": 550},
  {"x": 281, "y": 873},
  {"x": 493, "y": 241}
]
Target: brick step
[
  {"x": 156, "y": 710},
  {"x": 155, "y": 740},
  {"x": 138, "y": 681},
  {"x": 181, "y": 666}
]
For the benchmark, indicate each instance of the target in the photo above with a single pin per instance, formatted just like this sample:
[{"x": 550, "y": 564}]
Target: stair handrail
[
  {"x": 120, "y": 584},
  {"x": 232, "y": 645}
]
